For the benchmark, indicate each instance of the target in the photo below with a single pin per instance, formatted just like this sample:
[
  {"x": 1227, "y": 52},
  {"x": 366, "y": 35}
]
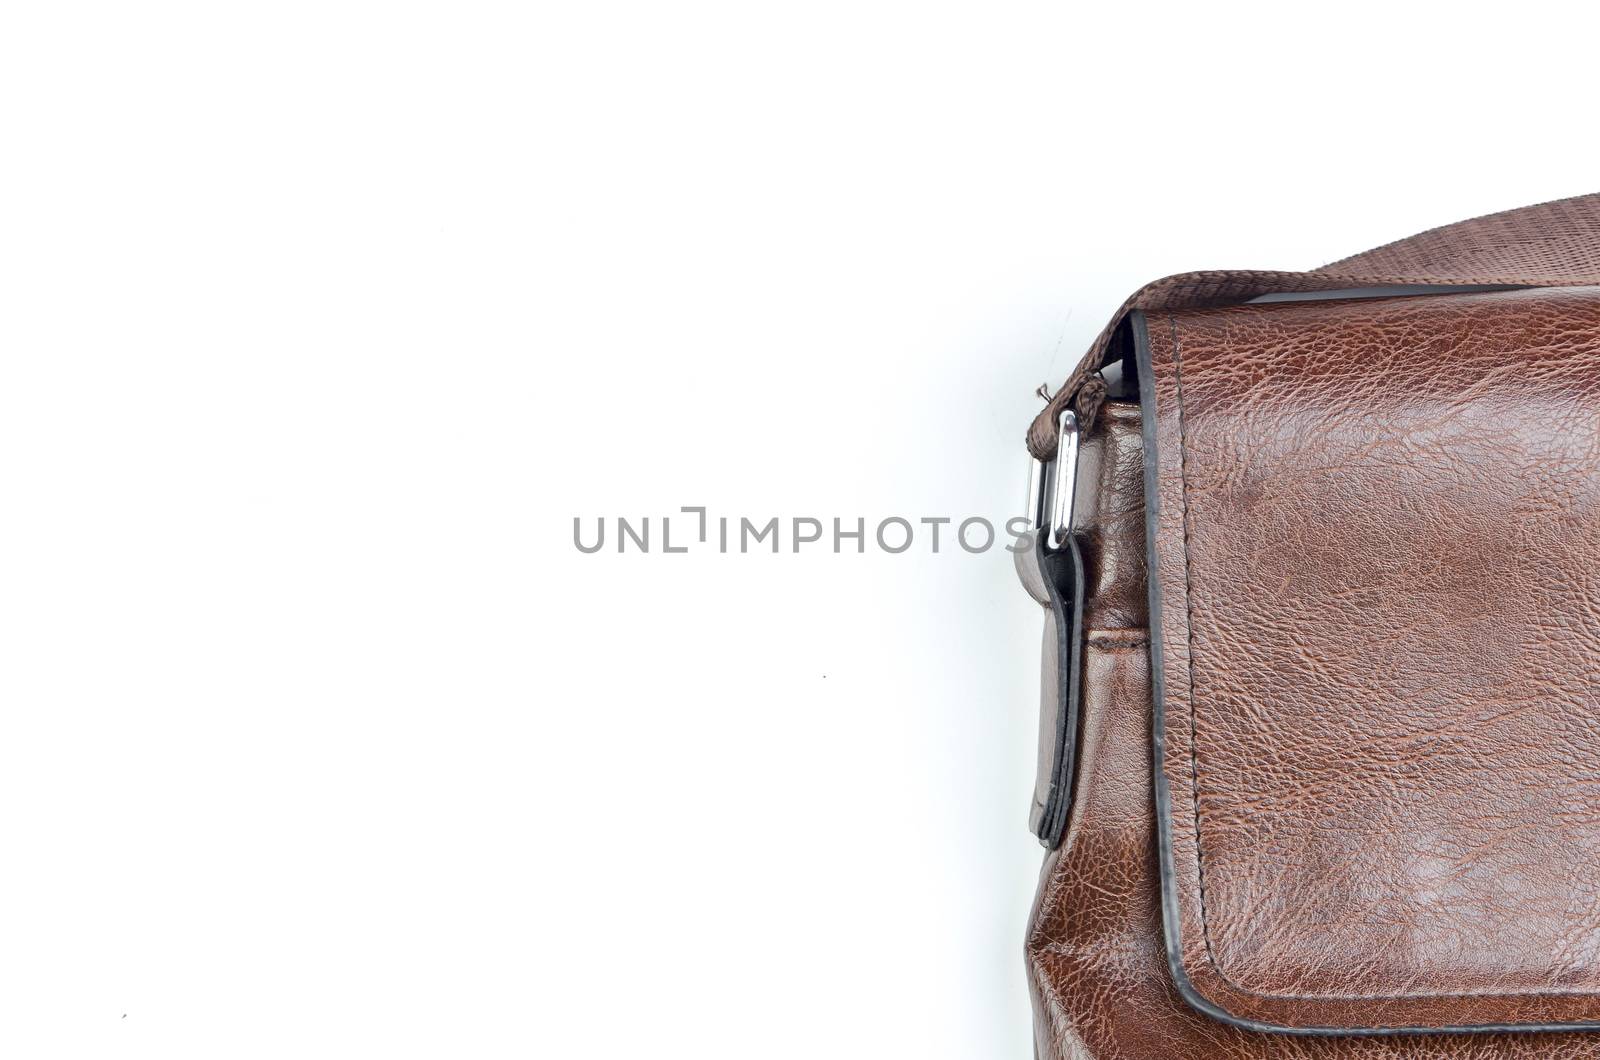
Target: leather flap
[{"x": 1375, "y": 611}]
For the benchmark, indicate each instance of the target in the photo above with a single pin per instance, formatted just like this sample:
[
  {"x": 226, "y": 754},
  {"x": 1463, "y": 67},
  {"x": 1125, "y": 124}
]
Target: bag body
[{"x": 1320, "y": 739}]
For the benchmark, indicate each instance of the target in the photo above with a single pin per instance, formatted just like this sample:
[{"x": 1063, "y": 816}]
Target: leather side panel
[{"x": 1095, "y": 583}]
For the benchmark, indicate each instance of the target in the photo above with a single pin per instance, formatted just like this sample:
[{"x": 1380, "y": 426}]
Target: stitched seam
[
  {"x": 1188, "y": 630},
  {"x": 1108, "y": 646},
  {"x": 1113, "y": 639},
  {"x": 1194, "y": 757}
]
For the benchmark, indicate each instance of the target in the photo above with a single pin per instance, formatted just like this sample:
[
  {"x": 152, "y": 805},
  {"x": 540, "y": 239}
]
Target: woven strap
[{"x": 1553, "y": 244}]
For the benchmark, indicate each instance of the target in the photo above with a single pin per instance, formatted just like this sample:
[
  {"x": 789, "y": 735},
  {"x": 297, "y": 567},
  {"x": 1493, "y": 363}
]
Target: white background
[{"x": 322, "y": 321}]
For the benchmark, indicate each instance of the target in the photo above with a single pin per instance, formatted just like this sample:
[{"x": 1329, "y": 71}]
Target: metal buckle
[{"x": 1056, "y": 491}]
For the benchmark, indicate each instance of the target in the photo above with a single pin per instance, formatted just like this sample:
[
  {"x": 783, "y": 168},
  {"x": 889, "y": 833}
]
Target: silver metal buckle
[{"x": 1053, "y": 485}]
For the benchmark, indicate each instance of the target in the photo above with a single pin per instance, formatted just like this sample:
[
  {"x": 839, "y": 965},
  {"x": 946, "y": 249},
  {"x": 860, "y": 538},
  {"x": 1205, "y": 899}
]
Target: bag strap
[{"x": 1552, "y": 244}]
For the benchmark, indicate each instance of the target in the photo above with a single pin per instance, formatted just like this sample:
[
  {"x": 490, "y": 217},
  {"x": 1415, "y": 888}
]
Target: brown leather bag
[{"x": 1320, "y": 741}]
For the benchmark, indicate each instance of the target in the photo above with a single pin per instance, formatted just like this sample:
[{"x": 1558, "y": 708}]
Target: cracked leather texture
[
  {"x": 1378, "y": 547},
  {"x": 1379, "y": 556}
]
